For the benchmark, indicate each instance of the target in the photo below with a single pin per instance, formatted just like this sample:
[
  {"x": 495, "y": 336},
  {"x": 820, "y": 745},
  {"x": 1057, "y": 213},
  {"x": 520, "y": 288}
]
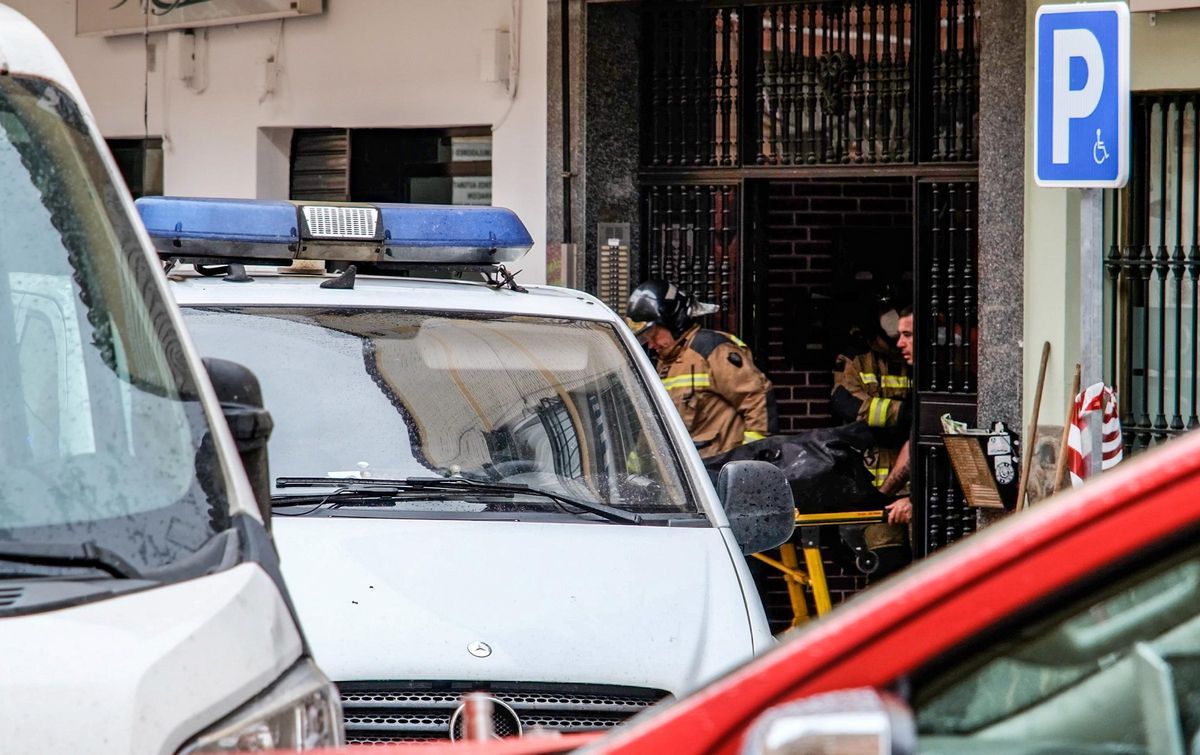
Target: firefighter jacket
[
  {"x": 874, "y": 387},
  {"x": 723, "y": 398}
]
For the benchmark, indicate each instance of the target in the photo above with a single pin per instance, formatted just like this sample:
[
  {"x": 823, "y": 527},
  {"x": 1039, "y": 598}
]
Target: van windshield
[
  {"x": 103, "y": 440},
  {"x": 550, "y": 404}
]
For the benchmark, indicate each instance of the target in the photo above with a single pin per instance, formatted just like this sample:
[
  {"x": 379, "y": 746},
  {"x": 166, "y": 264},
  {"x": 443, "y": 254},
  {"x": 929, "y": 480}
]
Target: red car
[{"x": 1071, "y": 628}]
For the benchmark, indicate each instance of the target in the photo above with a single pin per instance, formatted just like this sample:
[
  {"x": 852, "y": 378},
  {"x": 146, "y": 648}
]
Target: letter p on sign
[{"x": 1081, "y": 98}]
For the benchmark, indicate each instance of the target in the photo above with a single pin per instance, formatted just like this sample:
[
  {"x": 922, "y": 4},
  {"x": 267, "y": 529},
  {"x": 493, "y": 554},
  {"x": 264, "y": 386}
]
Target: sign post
[{"x": 1081, "y": 139}]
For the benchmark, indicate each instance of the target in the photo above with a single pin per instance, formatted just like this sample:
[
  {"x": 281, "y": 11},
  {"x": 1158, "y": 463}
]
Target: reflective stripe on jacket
[
  {"x": 874, "y": 387},
  {"x": 723, "y": 398}
]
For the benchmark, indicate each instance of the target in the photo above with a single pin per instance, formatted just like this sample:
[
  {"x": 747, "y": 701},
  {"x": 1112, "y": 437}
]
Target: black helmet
[{"x": 660, "y": 302}]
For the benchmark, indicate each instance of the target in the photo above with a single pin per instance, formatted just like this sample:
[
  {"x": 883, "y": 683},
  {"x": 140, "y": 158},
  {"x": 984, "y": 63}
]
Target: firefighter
[
  {"x": 723, "y": 398},
  {"x": 900, "y": 510},
  {"x": 874, "y": 386}
]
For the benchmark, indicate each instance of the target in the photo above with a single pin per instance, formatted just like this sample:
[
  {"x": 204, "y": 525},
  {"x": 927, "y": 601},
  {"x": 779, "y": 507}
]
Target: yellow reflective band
[
  {"x": 868, "y": 377},
  {"x": 698, "y": 380},
  {"x": 749, "y": 436},
  {"x": 738, "y": 341},
  {"x": 880, "y": 474},
  {"x": 877, "y": 412},
  {"x": 896, "y": 381}
]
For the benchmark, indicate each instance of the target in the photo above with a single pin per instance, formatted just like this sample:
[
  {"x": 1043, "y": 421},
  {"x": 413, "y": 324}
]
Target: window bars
[
  {"x": 1152, "y": 267},
  {"x": 811, "y": 83}
]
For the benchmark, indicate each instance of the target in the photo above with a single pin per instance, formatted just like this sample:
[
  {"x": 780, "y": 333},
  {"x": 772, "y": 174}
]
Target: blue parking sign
[{"x": 1081, "y": 95}]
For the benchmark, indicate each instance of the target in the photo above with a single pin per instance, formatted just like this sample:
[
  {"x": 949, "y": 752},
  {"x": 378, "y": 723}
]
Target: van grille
[
  {"x": 10, "y": 595},
  {"x": 387, "y": 712},
  {"x": 341, "y": 222}
]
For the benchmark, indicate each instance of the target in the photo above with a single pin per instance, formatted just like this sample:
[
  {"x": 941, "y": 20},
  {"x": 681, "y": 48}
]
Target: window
[
  {"x": 141, "y": 164},
  {"x": 1151, "y": 269},
  {"x": 102, "y": 435},
  {"x": 1115, "y": 672},
  {"x": 542, "y": 402},
  {"x": 426, "y": 166}
]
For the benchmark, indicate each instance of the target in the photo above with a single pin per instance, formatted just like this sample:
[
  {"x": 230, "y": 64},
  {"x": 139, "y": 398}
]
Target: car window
[
  {"x": 102, "y": 433},
  {"x": 543, "y": 402},
  {"x": 1116, "y": 670}
]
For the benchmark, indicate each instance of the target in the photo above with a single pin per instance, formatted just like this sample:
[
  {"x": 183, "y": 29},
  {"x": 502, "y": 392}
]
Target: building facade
[
  {"x": 440, "y": 100},
  {"x": 795, "y": 162},
  {"x": 1151, "y": 258}
]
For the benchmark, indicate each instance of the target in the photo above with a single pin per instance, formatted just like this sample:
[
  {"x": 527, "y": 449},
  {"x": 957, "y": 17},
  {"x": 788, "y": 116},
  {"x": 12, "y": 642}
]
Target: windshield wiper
[
  {"x": 461, "y": 484},
  {"x": 85, "y": 555},
  {"x": 341, "y": 494}
]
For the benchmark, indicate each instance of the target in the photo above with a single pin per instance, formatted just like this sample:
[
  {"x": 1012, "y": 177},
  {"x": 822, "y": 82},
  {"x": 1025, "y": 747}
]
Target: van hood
[
  {"x": 586, "y": 603},
  {"x": 143, "y": 672}
]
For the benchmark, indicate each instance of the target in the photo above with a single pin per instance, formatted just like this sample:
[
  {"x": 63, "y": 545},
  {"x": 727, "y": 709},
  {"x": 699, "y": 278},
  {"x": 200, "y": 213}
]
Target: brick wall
[{"x": 811, "y": 226}]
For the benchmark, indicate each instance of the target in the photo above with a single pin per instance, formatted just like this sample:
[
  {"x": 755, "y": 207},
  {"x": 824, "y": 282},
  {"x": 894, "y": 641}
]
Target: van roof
[
  {"x": 271, "y": 288},
  {"x": 24, "y": 49}
]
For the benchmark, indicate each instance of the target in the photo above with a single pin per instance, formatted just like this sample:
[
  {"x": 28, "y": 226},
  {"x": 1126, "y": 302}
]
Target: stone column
[
  {"x": 614, "y": 130},
  {"x": 603, "y": 64},
  {"x": 569, "y": 109},
  {"x": 1001, "y": 211}
]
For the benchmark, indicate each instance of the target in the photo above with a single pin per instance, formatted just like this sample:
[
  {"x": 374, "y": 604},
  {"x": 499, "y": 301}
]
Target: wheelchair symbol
[{"x": 1099, "y": 151}]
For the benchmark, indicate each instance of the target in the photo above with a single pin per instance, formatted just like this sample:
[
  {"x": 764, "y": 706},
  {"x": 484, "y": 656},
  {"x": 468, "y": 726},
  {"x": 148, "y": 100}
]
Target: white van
[
  {"x": 479, "y": 485},
  {"x": 141, "y": 605}
]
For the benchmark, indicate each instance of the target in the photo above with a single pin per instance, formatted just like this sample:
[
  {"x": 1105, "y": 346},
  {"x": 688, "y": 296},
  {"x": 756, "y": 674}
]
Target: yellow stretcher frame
[{"x": 812, "y": 575}]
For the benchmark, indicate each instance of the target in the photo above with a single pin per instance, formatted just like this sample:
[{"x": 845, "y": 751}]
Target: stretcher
[{"x": 812, "y": 575}]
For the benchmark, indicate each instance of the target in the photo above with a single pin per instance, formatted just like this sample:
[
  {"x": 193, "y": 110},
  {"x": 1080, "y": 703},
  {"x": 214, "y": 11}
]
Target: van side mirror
[
  {"x": 849, "y": 722},
  {"x": 250, "y": 424},
  {"x": 758, "y": 503}
]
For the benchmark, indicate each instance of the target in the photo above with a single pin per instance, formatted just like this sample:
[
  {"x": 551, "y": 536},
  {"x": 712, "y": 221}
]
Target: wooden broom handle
[{"x": 1031, "y": 428}]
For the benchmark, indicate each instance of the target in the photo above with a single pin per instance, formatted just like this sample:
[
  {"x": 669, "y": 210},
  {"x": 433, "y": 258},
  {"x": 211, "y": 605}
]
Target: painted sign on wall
[
  {"x": 475, "y": 190},
  {"x": 111, "y": 17}
]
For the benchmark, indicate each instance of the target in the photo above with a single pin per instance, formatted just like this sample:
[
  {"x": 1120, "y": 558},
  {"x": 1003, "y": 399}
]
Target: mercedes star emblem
[{"x": 479, "y": 649}]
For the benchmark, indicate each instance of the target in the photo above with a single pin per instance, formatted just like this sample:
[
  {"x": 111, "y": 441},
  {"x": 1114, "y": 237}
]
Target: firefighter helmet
[{"x": 660, "y": 302}]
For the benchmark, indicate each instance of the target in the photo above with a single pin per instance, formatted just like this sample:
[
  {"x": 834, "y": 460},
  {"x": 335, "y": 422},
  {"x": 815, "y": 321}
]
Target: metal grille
[
  {"x": 833, "y": 82},
  {"x": 947, "y": 329},
  {"x": 10, "y": 595},
  {"x": 341, "y": 222},
  {"x": 386, "y": 712},
  {"x": 811, "y": 83},
  {"x": 947, "y": 335},
  {"x": 1152, "y": 268},
  {"x": 736, "y": 95},
  {"x": 954, "y": 97},
  {"x": 694, "y": 86},
  {"x": 692, "y": 239},
  {"x": 947, "y": 516}
]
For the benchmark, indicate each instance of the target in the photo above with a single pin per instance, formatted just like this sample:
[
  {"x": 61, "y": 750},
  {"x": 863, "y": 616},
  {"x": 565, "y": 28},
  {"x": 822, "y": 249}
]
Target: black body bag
[{"x": 824, "y": 467}]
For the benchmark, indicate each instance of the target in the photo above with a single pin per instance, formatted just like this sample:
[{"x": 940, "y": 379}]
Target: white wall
[{"x": 364, "y": 63}]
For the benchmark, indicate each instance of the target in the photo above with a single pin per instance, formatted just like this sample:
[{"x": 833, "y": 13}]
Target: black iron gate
[
  {"x": 694, "y": 229},
  {"x": 738, "y": 95},
  {"x": 947, "y": 336},
  {"x": 1152, "y": 282}
]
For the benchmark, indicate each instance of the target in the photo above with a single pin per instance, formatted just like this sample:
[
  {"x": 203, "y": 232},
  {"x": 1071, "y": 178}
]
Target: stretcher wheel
[{"x": 866, "y": 562}]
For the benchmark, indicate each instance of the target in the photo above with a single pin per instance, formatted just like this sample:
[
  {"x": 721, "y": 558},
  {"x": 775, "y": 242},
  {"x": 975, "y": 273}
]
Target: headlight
[{"x": 300, "y": 711}]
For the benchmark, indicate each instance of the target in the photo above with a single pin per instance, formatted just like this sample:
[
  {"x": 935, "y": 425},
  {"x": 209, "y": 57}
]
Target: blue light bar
[{"x": 268, "y": 231}]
